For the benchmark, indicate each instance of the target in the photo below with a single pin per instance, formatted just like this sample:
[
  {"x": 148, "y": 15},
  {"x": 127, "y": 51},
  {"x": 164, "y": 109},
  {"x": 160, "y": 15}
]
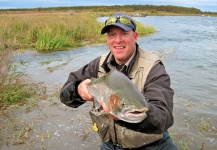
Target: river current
[{"x": 188, "y": 45}]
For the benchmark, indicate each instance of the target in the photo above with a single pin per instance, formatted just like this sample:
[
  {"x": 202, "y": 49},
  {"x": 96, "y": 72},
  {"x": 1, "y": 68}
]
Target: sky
[{"x": 203, "y": 5}]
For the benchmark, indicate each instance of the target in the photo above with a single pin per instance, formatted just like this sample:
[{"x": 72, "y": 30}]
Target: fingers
[{"x": 83, "y": 90}]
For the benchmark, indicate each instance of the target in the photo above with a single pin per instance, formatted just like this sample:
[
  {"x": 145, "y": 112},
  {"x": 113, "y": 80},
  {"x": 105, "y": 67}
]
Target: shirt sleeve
[{"x": 68, "y": 94}]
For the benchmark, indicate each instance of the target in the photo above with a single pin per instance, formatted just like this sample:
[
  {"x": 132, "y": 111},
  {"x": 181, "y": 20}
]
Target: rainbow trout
[{"x": 118, "y": 97}]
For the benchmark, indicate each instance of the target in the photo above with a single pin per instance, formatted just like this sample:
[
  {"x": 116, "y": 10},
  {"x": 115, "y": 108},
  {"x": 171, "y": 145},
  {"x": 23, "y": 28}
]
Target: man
[{"x": 146, "y": 71}]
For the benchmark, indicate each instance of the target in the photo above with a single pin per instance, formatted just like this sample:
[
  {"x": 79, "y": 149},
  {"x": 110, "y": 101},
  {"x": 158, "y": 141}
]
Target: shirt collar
[{"x": 110, "y": 61}]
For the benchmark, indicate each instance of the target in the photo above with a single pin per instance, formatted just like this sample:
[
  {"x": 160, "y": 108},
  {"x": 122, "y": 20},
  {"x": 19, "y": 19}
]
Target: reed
[
  {"x": 145, "y": 29},
  {"x": 54, "y": 31},
  {"x": 14, "y": 86},
  {"x": 49, "y": 38}
]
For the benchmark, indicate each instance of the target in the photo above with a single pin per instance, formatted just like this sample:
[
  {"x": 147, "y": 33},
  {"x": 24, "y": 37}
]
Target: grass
[
  {"x": 47, "y": 32},
  {"x": 50, "y": 39},
  {"x": 15, "y": 86},
  {"x": 145, "y": 30},
  {"x": 16, "y": 90}
]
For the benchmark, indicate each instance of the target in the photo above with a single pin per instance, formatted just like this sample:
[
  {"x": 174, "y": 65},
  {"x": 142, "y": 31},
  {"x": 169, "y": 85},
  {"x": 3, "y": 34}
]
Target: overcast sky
[{"x": 203, "y": 5}]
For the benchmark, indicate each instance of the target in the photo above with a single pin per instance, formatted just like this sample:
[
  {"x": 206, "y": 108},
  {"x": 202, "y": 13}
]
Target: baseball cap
[{"x": 120, "y": 20}]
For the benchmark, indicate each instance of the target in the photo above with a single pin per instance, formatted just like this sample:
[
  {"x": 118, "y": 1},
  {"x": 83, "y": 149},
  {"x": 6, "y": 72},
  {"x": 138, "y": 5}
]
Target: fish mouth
[
  {"x": 134, "y": 116},
  {"x": 135, "y": 113}
]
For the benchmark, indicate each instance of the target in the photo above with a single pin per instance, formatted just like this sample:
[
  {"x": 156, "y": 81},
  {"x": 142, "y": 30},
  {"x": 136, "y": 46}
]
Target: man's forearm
[{"x": 69, "y": 95}]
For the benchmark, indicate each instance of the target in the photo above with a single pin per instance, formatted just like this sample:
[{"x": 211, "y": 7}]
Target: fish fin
[
  {"x": 104, "y": 106},
  {"x": 92, "y": 80},
  {"x": 102, "y": 112},
  {"x": 97, "y": 104},
  {"x": 112, "y": 116}
]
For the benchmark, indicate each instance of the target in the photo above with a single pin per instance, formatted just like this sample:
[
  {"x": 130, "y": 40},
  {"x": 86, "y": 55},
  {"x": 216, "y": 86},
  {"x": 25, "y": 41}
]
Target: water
[
  {"x": 192, "y": 42},
  {"x": 188, "y": 46}
]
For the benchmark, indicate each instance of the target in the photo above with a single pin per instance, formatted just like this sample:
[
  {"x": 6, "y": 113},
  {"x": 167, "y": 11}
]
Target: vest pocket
[
  {"x": 132, "y": 139},
  {"x": 100, "y": 125}
]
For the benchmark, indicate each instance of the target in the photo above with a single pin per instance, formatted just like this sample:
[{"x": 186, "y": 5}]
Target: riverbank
[{"x": 133, "y": 9}]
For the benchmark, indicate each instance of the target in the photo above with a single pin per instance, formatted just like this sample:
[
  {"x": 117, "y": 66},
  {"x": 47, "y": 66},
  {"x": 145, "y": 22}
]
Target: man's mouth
[{"x": 119, "y": 47}]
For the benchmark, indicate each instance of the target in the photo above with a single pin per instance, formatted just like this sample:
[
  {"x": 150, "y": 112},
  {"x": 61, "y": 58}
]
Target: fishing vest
[{"x": 105, "y": 126}]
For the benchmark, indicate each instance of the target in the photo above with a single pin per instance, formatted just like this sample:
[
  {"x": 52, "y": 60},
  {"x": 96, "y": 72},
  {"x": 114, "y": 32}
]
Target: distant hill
[{"x": 141, "y": 9}]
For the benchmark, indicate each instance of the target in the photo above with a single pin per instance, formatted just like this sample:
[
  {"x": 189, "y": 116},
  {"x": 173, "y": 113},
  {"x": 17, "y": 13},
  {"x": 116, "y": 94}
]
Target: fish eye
[{"x": 123, "y": 104}]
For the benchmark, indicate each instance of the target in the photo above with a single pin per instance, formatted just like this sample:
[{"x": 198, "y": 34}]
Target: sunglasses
[{"x": 123, "y": 20}]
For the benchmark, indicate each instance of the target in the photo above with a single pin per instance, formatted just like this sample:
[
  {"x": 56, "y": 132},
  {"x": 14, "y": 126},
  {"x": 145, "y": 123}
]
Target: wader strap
[{"x": 116, "y": 139}]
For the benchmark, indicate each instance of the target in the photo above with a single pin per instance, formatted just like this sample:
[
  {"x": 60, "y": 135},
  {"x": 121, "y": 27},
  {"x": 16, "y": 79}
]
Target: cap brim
[{"x": 122, "y": 26}]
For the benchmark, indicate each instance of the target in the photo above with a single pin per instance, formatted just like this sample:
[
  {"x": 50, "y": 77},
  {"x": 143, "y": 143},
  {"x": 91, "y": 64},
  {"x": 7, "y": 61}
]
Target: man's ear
[{"x": 136, "y": 35}]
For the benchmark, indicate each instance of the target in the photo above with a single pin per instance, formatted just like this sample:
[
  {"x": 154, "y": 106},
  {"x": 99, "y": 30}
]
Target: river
[{"x": 188, "y": 45}]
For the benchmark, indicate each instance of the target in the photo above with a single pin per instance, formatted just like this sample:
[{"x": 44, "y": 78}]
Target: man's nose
[{"x": 118, "y": 38}]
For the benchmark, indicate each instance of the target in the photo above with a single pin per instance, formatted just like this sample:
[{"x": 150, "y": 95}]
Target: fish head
[
  {"x": 114, "y": 103},
  {"x": 122, "y": 110}
]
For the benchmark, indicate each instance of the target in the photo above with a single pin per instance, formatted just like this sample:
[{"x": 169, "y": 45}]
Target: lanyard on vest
[{"x": 116, "y": 139}]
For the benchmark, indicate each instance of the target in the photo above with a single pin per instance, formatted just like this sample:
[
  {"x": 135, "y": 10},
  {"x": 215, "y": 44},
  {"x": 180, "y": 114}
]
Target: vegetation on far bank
[
  {"x": 57, "y": 28},
  {"x": 53, "y": 31},
  {"x": 144, "y": 9}
]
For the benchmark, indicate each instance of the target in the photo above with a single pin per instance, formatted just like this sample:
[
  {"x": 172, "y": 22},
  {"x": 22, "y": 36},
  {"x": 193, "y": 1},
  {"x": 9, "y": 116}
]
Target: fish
[{"x": 118, "y": 97}]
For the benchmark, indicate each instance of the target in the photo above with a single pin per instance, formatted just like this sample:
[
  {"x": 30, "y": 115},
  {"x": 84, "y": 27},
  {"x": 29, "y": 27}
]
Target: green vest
[{"x": 105, "y": 126}]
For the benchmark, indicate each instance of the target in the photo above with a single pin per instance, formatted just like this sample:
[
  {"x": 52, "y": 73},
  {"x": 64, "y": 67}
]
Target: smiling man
[{"x": 147, "y": 73}]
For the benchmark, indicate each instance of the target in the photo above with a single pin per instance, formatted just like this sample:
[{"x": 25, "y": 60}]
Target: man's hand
[{"x": 83, "y": 90}]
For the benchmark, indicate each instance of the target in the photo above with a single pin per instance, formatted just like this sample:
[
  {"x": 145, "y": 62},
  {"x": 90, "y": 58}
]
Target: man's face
[{"x": 121, "y": 43}]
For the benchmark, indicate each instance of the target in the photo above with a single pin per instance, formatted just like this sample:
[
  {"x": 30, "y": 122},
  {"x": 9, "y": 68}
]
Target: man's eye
[
  {"x": 125, "y": 33},
  {"x": 111, "y": 34}
]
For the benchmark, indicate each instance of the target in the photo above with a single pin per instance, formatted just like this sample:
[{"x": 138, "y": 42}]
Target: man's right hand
[{"x": 83, "y": 90}]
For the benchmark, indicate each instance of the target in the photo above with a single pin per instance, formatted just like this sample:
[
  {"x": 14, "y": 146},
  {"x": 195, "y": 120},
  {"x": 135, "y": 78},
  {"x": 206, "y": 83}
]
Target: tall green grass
[
  {"x": 47, "y": 32},
  {"x": 53, "y": 31},
  {"x": 48, "y": 38},
  {"x": 144, "y": 29},
  {"x": 14, "y": 86}
]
